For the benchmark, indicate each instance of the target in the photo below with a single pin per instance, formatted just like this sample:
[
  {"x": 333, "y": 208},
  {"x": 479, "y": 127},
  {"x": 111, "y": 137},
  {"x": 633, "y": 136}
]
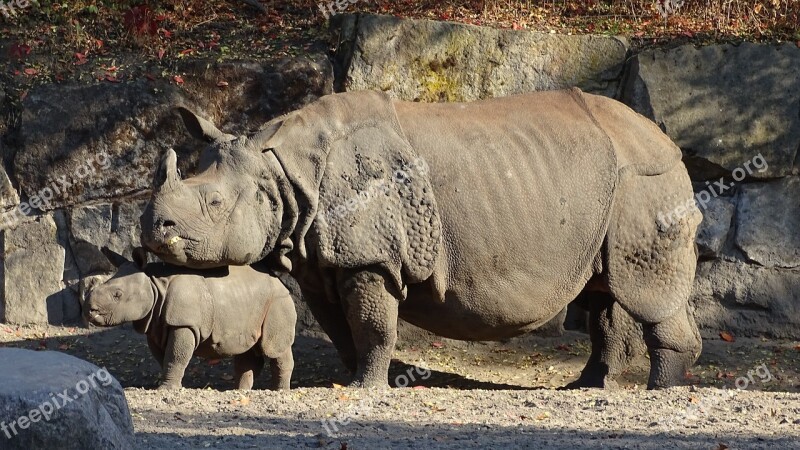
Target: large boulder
[
  {"x": 8, "y": 195},
  {"x": 430, "y": 61},
  {"x": 49, "y": 400},
  {"x": 80, "y": 143},
  {"x": 747, "y": 299},
  {"x": 767, "y": 222},
  {"x": 32, "y": 270},
  {"x": 723, "y": 104},
  {"x": 715, "y": 227}
]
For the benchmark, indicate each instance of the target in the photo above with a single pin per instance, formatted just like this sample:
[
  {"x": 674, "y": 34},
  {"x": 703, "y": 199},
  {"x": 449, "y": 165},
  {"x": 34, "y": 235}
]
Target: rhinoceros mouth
[{"x": 96, "y": 319}]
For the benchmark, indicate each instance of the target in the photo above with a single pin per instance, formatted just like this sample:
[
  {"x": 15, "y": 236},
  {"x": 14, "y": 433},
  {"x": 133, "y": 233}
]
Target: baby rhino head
[{"x": 126, "y": 297}]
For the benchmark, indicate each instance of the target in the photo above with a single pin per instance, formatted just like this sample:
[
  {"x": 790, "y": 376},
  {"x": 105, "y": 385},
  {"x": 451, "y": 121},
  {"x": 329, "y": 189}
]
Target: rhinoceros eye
[
  {"x": 117, "y": 295},
  {"x": 215, "y": 200}
]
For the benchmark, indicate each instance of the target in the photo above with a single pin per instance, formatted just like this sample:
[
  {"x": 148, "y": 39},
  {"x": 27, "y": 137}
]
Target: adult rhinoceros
[{"x": 476, "y": 221}]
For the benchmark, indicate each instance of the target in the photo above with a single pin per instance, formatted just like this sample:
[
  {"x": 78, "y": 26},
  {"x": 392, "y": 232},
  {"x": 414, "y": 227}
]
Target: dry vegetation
[{"x": 57, "y": 40}]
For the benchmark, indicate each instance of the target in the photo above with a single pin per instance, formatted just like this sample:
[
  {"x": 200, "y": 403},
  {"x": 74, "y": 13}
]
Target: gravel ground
[
  {"x": 475, "y": 395},
  {"x": 682, "y": 418}
]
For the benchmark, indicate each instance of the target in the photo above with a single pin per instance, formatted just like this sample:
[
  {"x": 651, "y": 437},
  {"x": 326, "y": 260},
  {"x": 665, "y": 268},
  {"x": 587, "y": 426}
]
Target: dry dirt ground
[{"x": 478, "y": 395}]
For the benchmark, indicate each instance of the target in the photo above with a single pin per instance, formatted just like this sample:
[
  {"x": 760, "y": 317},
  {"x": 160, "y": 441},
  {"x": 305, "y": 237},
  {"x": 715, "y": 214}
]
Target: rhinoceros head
[
  {"x": 126, "y": 297},
  {"x": 228, "y": 214}
]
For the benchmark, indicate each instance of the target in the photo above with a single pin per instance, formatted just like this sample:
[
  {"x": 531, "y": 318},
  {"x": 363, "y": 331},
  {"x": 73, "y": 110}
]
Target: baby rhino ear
[
  {"x": 113, "y": 257},
  {"x": 140, "y": 257}
]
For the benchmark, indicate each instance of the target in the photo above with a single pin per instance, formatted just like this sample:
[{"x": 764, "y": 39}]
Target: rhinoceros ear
[
  {"x": 140, "y": 257},
  {"x": 200, "y": 128},
  {"x": 113, "y": 257},
  {"x": 267, "y": 138},
  {"x": 167, "y": 176}
]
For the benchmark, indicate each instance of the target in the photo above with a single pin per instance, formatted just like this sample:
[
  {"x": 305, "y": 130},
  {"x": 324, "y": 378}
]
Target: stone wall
[{"x": 734, "y": 110}]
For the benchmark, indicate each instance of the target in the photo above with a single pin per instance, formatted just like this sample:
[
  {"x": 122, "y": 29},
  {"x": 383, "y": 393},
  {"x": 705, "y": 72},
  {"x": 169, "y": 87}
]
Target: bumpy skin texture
[
  {"x": 475, "y": 221},
  {"x": 234, "y": 312}
]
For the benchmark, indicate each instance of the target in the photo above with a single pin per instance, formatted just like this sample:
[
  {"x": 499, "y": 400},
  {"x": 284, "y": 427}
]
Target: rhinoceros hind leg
[
  {"x": 281, "y": 369},
  {"x": 371, "y": 305},
  {"x": 247, "y": 367},
  {"x": 651, "y": 267},
  {"x": 616, "y": 340}
]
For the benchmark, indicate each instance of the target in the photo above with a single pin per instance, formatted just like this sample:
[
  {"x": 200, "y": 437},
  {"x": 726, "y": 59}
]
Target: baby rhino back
[{"x": 249, "y": 305}]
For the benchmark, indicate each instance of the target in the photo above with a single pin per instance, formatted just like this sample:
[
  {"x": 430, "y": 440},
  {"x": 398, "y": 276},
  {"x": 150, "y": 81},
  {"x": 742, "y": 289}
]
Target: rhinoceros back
[
  {"x": 524, "y": 186},
  {"x": 639, "y": 145}
]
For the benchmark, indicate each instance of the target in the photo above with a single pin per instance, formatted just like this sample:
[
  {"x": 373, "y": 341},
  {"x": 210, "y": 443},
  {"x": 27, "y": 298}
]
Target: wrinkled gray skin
[
  {"x": 236, "y": 311},
  {"x": 504, "y": 211}
]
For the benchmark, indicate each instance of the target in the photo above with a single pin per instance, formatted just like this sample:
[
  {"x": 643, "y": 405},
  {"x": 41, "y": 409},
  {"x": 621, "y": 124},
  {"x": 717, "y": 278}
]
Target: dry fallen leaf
[
  {"x": 337, "y": 386},
  {"x": 222, "y": 84},
  {"x": 726, "y": 336},
  {"x": 437, "y": 345},
  {"x": 241, "y": 401}
]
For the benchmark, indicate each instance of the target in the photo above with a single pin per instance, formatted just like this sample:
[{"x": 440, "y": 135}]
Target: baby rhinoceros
[{"x": 234, "y": 311}]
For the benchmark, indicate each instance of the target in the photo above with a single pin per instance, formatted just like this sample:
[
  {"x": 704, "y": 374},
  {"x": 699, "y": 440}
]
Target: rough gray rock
[
  {"x": 53, "y": 400},
  {"x": 439, "y": 61},
  {"x": 723, "y": 104},
  {"x": 125, "y": 227},
  {"x": 100, "y": 141},
  {"x": 90, "y": 228},
  {"x": 713, "y": 230},
  {"x": 92, "y": 142},
  {"x": 33, "y": 265},
  {"x": 8, "y": 195},
  {"x": 747, "y": 299},
  {"x": 767, "y": 222}
]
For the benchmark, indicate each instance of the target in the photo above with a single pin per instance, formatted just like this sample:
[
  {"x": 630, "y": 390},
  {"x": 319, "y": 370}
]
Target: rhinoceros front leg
[
  {"x": 332, "y": 319},
  {"x": 371, "y": 306},
  {"x": 180, "y": 347}
]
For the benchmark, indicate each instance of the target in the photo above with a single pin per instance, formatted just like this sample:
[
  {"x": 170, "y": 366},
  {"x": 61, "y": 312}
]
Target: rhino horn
[
  {"x": 113, "y": 257},
  {"x": 200, "y": 128},
  {"x": 167, "y": 176}
]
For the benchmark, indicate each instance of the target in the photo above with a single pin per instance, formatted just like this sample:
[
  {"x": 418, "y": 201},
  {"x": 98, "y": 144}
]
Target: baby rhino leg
[
  {"x": 247, "y": 368},
  {"x": 281, "y": 368}
]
